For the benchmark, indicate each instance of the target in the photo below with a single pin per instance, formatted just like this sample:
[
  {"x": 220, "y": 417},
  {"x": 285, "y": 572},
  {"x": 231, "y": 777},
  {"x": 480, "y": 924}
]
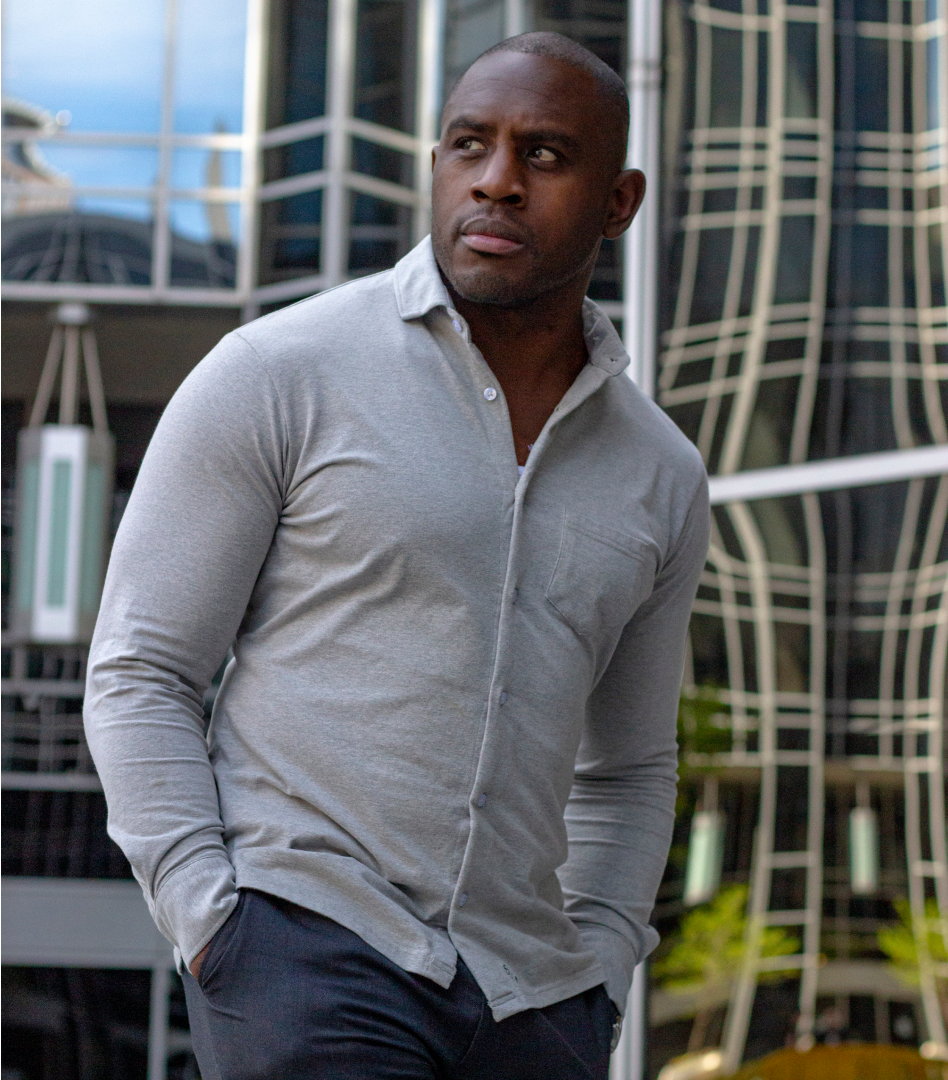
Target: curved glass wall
[{"x": 804, "y": 318}]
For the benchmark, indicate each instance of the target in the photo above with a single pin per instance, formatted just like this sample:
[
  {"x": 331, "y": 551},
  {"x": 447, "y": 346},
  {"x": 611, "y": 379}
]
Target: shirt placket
[{"x": 471, "y": 898}]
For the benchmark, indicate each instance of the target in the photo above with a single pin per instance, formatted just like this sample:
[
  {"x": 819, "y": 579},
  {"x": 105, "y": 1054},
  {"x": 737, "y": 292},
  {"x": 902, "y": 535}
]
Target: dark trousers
[{"x": 286, "y": 994}]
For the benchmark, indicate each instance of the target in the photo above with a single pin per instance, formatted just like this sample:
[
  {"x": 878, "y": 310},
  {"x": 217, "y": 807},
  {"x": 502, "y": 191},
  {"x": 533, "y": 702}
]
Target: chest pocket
[{"x": 601, "y": 576}]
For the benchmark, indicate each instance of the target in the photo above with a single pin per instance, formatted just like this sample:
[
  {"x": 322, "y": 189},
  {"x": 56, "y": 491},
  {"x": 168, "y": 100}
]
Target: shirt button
[
  {"x": 490, "y": 393},
  {"x": 456, "y": 325},
  {"x": 462, "y": 899},
  {"x": 481, "y": 799},
  {"x": 503, "y": 696}
]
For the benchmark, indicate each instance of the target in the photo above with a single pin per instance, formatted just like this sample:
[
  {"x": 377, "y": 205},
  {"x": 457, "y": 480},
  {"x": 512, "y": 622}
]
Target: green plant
[
  {"x": 900, "y": 941},
  {"x": 707, "y": 953},
  {"x": 700, "y": 727},
  {"x": 703, "y": 730}
]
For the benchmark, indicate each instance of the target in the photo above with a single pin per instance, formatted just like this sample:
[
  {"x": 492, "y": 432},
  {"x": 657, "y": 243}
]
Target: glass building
[
  {"x": 185, "y": 165},
  {"x": 804, "y": 321}
]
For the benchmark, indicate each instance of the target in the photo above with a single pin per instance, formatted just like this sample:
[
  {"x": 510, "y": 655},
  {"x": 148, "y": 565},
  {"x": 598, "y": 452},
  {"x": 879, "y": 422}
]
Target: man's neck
[
  {"x": 532, "y": 344},
  {"x": 535, "y": 350}
]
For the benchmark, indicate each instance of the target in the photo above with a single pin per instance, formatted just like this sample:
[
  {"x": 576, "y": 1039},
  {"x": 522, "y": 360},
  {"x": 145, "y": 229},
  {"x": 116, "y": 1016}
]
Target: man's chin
[{"x": 487, "y": 286}]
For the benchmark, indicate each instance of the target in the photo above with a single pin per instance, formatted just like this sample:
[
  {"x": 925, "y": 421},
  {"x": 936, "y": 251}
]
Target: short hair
[{"x": 559, "y": 47}]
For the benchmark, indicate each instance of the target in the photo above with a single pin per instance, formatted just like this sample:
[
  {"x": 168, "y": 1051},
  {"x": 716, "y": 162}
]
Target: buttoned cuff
[
  {"x": 617, "y": 956},
  {"x": 193, "y": 903}
]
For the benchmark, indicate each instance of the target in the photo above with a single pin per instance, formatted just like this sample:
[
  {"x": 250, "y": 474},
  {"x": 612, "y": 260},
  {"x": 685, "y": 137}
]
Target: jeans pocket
[{"x": 221, "y": 943}]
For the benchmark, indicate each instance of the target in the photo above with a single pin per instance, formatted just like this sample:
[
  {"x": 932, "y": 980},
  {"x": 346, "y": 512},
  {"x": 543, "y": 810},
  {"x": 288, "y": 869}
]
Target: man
[{"x": 454, "y": 551}]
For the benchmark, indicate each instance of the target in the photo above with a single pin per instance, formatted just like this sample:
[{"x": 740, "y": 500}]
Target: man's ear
[
  {"x": 434, "y": 156},
  {"x": 626, "y": 198}
]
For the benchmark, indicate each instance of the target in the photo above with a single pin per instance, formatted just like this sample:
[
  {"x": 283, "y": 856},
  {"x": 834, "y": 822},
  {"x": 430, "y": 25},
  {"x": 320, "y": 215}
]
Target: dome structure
[{"x": 106, "y": 250}]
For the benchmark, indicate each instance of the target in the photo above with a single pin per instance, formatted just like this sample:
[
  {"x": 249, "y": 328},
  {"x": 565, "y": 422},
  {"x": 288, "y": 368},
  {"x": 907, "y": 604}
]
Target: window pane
[
  {"x": 871, "y": 85},
  {"x": 205, "y": 168},
  {"x": 209, "y": 66},
  {"x": 301, "y": 157},
  {"x": 936, "y": 265},
  {"x": 726, "y": 69},
  {"x": 385, "y": 63},
  {"x": 203, "y": 244},
  {"x": 801, "y": 85},
  {"x": 870, "y": 266},
  {"x": 768, "y": 438},
  {"x": 714, "y": 255},
  {"x": 795, "y": 262},
  {"x": 383, "y": 162},
  {"x": 297, "y": 88},
  {"x": 932, "y": 82},
  {"x": 709, "y": 651},
  {"x": 782, "y": 529},
  {"x": 867, "y": 423},
  {"x": 87, "y": 166},
  {"x": 380, "y": 234},
  {"x": 70, "y": 1022},
  {"x": 291, "y": 237}
]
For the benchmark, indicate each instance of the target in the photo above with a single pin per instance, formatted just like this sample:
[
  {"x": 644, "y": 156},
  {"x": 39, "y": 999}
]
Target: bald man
[{"x": 454, "y": 551}]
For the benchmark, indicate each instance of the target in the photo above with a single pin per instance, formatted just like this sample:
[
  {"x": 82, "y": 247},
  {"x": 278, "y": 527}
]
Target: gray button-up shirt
[{"x": 449, "y": 720}]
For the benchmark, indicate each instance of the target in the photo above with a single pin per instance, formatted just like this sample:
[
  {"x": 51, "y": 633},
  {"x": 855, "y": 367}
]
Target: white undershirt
[{"x": 520, "y": 468}]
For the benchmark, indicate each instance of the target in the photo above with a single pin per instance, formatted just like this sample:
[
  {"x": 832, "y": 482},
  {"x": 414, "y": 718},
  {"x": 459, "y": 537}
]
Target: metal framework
[
  {"x": 338, "y": 180},
  {"x": 809, "y": 322}
]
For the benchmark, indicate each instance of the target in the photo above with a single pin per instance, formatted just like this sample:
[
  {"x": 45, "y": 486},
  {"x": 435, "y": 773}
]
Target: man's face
[{"x": 525, "y": 179}]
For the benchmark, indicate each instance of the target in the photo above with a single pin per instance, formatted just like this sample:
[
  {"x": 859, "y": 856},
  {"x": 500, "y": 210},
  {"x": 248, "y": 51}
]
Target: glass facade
[
  {"x": 803, "y": 319},
  {"x": 125, "y": 156},
  {"x": 193, "y": 163}
]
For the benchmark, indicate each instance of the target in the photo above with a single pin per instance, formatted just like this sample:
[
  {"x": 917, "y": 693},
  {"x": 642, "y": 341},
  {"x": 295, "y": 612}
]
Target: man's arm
[
  {"x": 622, "y": 808},
  {"x": 196, "y": 532}
]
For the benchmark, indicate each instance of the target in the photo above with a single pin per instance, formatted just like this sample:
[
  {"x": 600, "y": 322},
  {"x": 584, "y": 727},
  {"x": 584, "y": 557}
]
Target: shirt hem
[
  {"x": 511, "y": 1004},
  {"x": 419, "y": 961}
]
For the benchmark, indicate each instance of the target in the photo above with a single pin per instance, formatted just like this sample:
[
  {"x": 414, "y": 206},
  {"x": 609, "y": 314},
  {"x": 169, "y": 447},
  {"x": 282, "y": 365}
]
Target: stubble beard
[{"x": 484, "y": 285}]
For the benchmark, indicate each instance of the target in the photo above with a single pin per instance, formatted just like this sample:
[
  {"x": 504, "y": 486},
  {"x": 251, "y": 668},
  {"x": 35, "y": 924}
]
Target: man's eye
[
  {"x": 471, "y": 144},
  {"x": 541, "y": 153}
]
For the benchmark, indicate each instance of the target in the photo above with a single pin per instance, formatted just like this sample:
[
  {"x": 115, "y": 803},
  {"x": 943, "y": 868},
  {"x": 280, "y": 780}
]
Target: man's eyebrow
[{"x": 469, "y": 124}]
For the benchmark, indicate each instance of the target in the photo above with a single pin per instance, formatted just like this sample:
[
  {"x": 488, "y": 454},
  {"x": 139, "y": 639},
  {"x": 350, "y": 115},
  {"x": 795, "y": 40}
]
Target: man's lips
[
  {"x": 490, "y": 245},
  {"x": 490, "y": 240}
]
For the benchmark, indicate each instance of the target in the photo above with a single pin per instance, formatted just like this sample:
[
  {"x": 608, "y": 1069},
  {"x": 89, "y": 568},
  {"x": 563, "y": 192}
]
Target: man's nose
[{"x": 501, "y": 179}]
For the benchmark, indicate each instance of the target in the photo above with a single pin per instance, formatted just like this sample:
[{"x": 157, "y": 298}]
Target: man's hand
[{"x": 195, "y": 966}]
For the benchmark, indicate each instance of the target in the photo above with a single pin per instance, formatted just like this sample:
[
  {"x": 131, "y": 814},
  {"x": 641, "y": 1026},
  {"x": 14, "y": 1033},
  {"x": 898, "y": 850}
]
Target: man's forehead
[{"x": 524, "y": 89}]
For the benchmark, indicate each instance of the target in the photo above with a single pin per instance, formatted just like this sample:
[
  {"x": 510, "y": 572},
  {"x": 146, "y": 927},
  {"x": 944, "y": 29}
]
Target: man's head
[{"x": 528, "y": 174}]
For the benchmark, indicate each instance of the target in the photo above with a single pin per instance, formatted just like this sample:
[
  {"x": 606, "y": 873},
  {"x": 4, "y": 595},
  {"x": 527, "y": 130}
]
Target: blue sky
[{"x": 102, "y": 61}]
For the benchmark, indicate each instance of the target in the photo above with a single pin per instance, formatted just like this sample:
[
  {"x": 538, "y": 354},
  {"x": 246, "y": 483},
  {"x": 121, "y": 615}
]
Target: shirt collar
[{"x": 419, "y": 289}]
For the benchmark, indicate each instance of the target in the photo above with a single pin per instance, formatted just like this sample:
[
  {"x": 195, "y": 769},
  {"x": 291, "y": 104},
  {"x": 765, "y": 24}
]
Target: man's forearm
[{"x": 187, "y": 555}]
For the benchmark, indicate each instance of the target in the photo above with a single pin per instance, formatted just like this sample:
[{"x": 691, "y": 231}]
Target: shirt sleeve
[
  {"x": 621, "y": 811},
  {"x": 211, "y": 482}
]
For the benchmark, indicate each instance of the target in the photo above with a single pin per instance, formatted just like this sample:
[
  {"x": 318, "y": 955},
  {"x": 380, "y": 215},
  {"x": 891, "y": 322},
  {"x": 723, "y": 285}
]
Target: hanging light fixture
[
  {"x": 63, "y": 496},
  {"x": 863, "y": 845},
  {"x": 705, "y": 849}
]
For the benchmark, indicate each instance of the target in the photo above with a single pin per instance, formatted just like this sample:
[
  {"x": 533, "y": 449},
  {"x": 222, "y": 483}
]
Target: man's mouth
[{"x": 490, "y": 239}]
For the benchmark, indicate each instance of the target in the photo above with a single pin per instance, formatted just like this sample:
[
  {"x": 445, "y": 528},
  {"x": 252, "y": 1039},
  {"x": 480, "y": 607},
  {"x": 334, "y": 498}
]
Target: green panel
[
  {"x": 26, "y": 545},
  {"x": 92, "y": 521},
  {"x": 57, "y": 564}
]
